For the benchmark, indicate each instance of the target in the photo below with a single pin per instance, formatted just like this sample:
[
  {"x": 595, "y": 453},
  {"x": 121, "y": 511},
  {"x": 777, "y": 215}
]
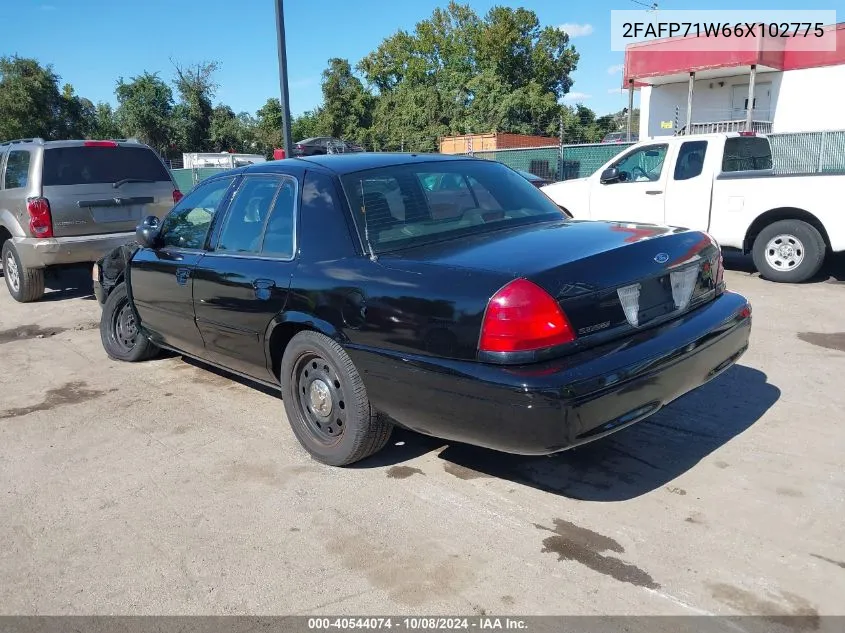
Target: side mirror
[
  {"x": 611, "y": 174},
  {"x": 147, "y": 232}
]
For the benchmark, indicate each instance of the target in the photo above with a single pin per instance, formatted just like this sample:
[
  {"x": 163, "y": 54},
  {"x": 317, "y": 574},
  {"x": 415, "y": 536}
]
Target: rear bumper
[
  {"x": 549, "y": 407},
  {"x": 39, "y": 253}
]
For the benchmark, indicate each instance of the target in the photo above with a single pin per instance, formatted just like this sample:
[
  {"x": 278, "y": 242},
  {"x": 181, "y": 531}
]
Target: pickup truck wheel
[
  {"x": 789, "y": 251},
  {"x": 24, "y": 284},
  {"x": 326, "y": 402},
  {"x": 119, "y": 332}
]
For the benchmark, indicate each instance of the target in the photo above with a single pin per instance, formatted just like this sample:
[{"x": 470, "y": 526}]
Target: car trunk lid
[{"x": 609, "y": 278}]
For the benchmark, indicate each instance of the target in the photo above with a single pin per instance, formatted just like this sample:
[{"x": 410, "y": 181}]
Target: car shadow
[
  {"x": 833, "y": 270},
  {"x": 73, "y": 282},
  {"x": 630, "y": 463}
]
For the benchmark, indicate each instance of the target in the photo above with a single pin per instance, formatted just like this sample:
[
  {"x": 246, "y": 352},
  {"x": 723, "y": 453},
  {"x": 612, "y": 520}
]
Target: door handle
[
  {"x": 263, "y": 288},
  {"x": 653, "y": 192},
  {"x": 182, "y": 275}
]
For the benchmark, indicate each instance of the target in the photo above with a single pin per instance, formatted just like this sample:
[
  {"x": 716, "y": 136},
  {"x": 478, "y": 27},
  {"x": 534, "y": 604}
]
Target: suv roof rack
[{"x": 34, "y": 139}]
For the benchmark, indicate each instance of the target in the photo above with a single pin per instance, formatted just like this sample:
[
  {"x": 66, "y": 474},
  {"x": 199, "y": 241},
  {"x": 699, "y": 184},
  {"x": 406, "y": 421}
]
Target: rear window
[
  {"x": 94, "y": 165},
  {"x": 745, "y": 153},
  {"x": 407, "y": 205}
]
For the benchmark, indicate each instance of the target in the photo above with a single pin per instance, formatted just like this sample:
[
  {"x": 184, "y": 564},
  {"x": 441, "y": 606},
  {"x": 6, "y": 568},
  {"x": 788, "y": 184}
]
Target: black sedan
[
  {"x": 488, "y": 318},
  {"x": 322, "y": 145}
]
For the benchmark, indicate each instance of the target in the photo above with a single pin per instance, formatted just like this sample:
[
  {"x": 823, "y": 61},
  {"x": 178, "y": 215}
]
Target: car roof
[{"x": 342, "y": 164}]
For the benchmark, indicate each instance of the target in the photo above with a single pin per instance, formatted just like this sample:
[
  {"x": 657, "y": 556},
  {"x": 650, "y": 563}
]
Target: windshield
[
  {"x": 407, "y": 205},
  {"x": 79, "y": 165}
]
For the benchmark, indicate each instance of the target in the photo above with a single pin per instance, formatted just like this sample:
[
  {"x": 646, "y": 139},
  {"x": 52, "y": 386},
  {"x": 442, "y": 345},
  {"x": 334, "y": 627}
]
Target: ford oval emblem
[{"x": 661, "y": 258}]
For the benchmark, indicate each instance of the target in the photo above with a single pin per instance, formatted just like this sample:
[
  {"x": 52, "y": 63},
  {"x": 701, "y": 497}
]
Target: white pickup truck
[{"x": 722, "y": 184}]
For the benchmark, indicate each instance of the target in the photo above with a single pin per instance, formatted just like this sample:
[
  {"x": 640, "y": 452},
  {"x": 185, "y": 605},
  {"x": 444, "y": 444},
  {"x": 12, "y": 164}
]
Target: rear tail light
[
  {"x": 720, "y": 273},
  {"x": 745, "y": 312},
  {"x": 177, "y": 196},
  {"x": 100, "y": 144},
  {"x": 40, "y": 218},
  {"x": 523, "y": 317}
]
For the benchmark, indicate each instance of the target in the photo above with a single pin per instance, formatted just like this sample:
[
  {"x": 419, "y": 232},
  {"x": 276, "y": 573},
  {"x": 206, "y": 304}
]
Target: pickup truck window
[
  {"x": 746, "y": 153},
  {"x": 690, "y": 160},
  {"x": 642, "y": 165}
]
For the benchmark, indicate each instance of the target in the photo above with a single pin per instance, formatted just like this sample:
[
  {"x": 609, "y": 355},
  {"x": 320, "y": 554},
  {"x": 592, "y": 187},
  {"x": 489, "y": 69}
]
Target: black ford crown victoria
[{"x": 443, "y": 294}]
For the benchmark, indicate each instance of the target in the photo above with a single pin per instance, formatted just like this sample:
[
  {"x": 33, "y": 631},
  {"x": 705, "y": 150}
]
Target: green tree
[
  {"x": 30, "y": 101},
  {"x": 458, "y": 72},
  {"x": 268, "y": 127},
  {"x": 105, "y": 122},
  {"x": 347, "y": 105},
  {"x": 145, "y": 110},
  {"x": 306, "y": 125},
  {"x": 77, "y": 116},
  {"x": 192, "y": 115}
]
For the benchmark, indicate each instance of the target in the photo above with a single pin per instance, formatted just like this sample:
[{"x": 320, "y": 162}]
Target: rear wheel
[
  {"x": 122, "y": 338},
  {"x": 24, "y": 284},
  {"x": 326, "y": 402},
  {"x": 788, "y": 251}
]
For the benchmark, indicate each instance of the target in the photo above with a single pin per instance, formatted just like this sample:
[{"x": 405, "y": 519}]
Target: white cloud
[
  {"x": 615, "y": 70},
  {"x": 616, "y": 91},
  {"x": 576, "y": 96},
  {"x": 576, "y": 30}
]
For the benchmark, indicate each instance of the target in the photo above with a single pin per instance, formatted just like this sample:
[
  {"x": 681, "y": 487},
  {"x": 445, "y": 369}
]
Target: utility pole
[{"x": 283, "y": 76}]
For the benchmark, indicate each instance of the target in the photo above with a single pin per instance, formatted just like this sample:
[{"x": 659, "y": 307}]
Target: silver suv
[{"x": 69, "y": 202}]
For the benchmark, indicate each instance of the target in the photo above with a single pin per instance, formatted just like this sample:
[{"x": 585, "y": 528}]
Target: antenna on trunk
[{"x": 366, "y": 228}]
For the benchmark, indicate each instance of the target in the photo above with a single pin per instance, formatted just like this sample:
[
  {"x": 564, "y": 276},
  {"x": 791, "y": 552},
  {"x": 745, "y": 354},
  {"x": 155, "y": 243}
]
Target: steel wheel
[
  {"x": 124, "y": 331},
  {"x": 784, "y": 252},
  {"x": 10, "y": 270},
  {"x": 320, "y": 401}
]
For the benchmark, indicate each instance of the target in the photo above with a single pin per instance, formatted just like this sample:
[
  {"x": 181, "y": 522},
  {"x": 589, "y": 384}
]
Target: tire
[
  {"x": 119, "y": 332},
  {"x": 801, "y": 257},
  {"x": 24, "y": 284},
  {"x": 347, "y": 430}
]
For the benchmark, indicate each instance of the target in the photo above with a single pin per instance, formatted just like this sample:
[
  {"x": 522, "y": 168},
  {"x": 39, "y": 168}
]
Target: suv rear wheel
[{"x": 24, "y": 284}]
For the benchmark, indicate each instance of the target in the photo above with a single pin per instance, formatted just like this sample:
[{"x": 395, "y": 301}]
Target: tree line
[{"x": 455, "y": 73}]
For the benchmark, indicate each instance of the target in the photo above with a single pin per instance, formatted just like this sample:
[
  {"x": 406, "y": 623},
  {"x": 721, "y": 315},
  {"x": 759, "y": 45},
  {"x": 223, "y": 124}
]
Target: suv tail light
[
  {"x": 523, "y": 317},
  {"x": 40, "y": 218},
  {"x": 177, "y": 196}
]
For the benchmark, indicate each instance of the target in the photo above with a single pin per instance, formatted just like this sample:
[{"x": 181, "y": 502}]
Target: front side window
[
  {"x": 187, "y": 225},
  {"x": 17, "y": 169},
  {"x": 642, "y": 165},
  {"x": 404, "y": 205},
  {"x": 690, "y": 160}
]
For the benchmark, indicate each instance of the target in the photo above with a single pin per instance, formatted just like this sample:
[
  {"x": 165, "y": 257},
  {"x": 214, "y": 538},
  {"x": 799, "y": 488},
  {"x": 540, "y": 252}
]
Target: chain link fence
[{"x": 792, "y": 153}]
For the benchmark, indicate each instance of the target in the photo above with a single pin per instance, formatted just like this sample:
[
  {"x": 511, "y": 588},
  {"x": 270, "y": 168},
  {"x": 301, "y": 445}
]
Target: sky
[{"x": 91, "y": 43}]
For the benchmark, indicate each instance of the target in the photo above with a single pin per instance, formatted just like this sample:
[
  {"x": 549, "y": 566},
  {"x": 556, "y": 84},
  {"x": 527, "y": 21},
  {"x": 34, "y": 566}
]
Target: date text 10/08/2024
[
  {"x": 633, "y": 30},
  {"x": 419, "y": 623}
]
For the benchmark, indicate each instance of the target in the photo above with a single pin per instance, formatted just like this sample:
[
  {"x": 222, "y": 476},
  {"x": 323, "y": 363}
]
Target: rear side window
[
  {"x": 746, "y": 153},
  {"x": 247, "y": 215},
  {"x": 690, "y": 160},
  {"x": 97, "y": 165},
  {"x": 278, "y": 236},
  {"x": 17, "y": 169}
]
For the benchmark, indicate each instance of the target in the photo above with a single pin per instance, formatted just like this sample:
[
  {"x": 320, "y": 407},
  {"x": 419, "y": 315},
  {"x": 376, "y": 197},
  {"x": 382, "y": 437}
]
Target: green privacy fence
[
  {"x": 792, "y": 153},
  {"x": 187, "y": 178}
]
